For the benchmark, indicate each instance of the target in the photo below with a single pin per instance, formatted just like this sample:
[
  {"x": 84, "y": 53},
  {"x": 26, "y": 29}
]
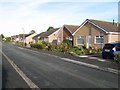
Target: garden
[{"x": 67, "y": 47}]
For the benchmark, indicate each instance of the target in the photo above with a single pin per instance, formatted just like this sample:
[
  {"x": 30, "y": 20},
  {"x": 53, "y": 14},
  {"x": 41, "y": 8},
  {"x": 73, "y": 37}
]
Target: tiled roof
[
  {"x": 71, "y": 28},
  {"x": 47, "y": 33},
  {"x": 108, "y": 26},
  {"x": 21, "y": 35},
  {"x": 38, "y": 35},
  {"x": 28, "y": 34}
]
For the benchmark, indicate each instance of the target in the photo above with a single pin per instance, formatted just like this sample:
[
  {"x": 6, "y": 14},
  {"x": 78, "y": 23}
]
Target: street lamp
[{"x": 24, "y": 41}]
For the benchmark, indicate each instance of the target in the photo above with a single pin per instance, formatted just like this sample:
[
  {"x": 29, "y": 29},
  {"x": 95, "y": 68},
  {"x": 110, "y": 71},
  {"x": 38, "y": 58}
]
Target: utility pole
[{"x": 23, "y": 36}]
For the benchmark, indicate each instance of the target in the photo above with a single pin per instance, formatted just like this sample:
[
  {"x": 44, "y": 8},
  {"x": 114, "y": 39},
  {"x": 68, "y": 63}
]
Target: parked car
[{"x": 110, "y": 50}]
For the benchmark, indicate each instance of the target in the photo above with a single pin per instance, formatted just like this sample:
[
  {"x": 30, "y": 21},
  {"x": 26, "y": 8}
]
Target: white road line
[
  {"x": 78, "y": 62},
  {"x": 21, "y": 73},
  {"x": 20, "y": 48},
  {"x": 101, "y": 60},
  {"x": 83, "y": 56},
  {"x": 92, "y": 66},
  {"x": 81, "y": 63}
]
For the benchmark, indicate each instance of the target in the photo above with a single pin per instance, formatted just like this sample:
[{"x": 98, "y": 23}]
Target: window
[
  {"x": 80, "y": 40},
  {"x": 98, "y": 39}
]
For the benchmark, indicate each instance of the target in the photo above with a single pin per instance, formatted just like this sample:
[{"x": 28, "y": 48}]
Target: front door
[{"x": 89, "y": 41}]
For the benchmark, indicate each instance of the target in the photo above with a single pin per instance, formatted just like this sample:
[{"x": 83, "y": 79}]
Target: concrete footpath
[{"x": 90, "y": 59}]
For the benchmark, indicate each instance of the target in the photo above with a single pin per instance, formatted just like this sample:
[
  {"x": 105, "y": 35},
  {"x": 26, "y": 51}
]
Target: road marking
[
  {"x": 101, "y": 60},
  {"x": 20, "y": 48},
  {"x": 78, "y": 62},
  {"x": 81, "y": 63},
  {"x": 92, "y": 66},
  {"x": 20, "y": 72},
  {"x": 83, "y": 56}
]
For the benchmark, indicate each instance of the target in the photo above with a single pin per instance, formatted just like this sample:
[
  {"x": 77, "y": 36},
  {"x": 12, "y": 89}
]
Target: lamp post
[{"x": 23, "y": 37}]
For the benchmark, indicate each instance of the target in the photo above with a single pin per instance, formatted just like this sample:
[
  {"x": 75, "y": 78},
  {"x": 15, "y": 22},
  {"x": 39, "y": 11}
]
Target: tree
[
  {"x": 32, "y": 31},
  {"x": 2, "y": 36},
  {"x": 7, "y": 39},
  {"x": 50, "y": 28}
]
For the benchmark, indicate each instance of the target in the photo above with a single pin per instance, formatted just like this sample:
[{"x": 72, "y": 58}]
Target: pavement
[
  {"x": 47, "y": 70},
  {"x": 91, "y": 59}
]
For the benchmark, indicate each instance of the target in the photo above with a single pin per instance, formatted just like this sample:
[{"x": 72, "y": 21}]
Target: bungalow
[
  {"x": 96, "y": 33},
  {"x": 66, "y": 32},
  {"x": 29, "y": 38},
  {"x": 18, "y": 38},
  {"x": 14, "y": 38},
  {"x": 37, "y": 37},
  {"x": 48, "y": 36}
]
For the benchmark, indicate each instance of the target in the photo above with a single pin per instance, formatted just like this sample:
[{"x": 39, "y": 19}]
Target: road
[
  {"x": 47, "y": 71},
  {"x": 10, "y": 78}
]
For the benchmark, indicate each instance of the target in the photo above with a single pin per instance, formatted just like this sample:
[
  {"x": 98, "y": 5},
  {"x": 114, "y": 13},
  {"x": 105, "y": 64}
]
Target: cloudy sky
[{"x": 38, "y": 15}]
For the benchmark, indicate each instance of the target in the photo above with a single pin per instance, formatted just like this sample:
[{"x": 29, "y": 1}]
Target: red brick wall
[{"x": 66, "y": 33}]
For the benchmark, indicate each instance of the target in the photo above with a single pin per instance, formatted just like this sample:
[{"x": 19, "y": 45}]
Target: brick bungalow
[
  {"x": 48, "y": 36},
  {"x": 66, "y": 32},
  {"x": 96, "y": 33}
]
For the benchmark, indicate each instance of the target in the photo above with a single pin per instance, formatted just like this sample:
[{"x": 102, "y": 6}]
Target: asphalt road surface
[
  {"x": 47, "y": 71},
  {"x": 10, "y": 78}
]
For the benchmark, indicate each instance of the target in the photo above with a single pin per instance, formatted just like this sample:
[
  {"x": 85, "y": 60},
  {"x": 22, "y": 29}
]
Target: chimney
[{"x": 113, "y": 21}]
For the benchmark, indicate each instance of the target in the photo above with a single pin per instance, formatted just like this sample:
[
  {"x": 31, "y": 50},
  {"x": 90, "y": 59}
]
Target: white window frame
[
  {"x": 99, "y": 37},
  {"x": 77, "y": 38}
]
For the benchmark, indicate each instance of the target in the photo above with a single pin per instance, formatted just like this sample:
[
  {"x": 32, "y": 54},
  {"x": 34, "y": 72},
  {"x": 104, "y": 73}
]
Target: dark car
[{"x": 110, "y": 49}]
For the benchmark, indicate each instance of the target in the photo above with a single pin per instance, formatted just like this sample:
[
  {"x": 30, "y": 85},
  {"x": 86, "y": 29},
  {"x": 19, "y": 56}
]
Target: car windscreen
[{"x": 109, "y": 46}]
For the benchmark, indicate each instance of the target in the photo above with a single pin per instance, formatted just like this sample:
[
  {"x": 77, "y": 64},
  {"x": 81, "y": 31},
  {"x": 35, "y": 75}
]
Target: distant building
[{"x": 48, "y": 36}]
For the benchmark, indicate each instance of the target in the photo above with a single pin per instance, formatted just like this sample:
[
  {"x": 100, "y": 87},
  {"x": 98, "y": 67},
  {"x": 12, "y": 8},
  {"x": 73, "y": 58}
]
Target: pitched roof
[
  {"x": 108, "y": 26},
  {"x": 46, "y": 34},
  {"x": 28, "y": 34},
  {"x": 40, "y": 34},
  {"x": 71, "y": 28},
  {"x": 21, "y": 35}
]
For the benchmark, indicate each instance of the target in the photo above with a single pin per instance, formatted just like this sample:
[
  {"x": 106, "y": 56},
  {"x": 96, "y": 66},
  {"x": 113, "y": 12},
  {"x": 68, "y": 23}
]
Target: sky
[{"x": 22, "y": 16}]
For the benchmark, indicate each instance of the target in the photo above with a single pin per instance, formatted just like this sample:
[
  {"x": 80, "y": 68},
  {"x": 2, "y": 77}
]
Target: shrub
[
  {"x": 97, "y": 50},
  {"x": 84, "y": 46},
  {"x": 51, "y": 47},
  {"x": 117, "y": 57},
  {"x": 65, "y": 47},
  {"x": 45, "y": 43},
  {"x": 59, "y": 47},
  {"x": 39, "y": 41},
  {"x": 38, "y": 46},
  {"x": 68, "y": 42},
  {"x": 76, "y": 50},
  {"x": 19, "y": 43}
]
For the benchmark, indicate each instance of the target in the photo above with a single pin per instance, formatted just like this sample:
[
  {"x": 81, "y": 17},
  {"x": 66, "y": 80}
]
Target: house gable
[
  {"x": 88, "y": 21},
  {"x": 66, "y": 33},
  {"x": 87, "y": 31}
]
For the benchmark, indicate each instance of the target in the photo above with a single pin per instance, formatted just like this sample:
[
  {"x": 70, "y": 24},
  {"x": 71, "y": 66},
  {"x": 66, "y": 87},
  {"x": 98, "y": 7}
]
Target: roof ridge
[
  {"x": 70, "y": 25},
  {"x": 101, "y": 21}
]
